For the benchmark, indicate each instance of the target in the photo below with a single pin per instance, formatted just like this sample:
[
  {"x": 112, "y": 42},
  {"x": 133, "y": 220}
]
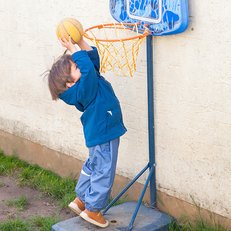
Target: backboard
[{"x": 163, "y": 17}]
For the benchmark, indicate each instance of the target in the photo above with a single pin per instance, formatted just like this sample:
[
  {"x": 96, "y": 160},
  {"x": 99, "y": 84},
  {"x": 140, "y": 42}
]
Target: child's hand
[{"x": 68, "y": 44}]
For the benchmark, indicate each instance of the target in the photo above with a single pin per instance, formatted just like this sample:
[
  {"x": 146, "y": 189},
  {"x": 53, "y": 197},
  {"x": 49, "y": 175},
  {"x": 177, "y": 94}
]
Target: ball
[{"x": 70, "y": 27}]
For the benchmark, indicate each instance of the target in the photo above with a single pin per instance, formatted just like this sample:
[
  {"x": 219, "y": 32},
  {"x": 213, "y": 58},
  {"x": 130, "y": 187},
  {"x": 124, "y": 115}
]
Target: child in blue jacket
[{"x": 77, "y": 81}]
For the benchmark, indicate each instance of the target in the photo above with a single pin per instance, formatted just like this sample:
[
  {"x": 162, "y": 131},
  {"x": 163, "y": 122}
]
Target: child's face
[{"x": 75, "y": 75}]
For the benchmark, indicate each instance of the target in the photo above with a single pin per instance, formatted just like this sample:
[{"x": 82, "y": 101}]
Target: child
[{"x": 76, "y": 80}]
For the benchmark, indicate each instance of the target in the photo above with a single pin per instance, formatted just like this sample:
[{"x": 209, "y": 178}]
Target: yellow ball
[{"x": 70, "y": 27}]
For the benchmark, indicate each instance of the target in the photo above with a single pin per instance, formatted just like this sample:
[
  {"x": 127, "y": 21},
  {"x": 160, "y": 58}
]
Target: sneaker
[
  {"x": 77, "y": 206},
  {"x": 95, "y": 218}
]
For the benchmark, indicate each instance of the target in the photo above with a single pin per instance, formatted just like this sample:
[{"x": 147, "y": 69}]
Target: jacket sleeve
[
  {"x": 88, "y": 83},
  {"x": 94, "y": 56}
]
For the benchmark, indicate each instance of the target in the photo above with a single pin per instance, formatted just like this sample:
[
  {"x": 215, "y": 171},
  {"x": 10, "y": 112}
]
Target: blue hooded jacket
[{"x": 102, "y": 117}]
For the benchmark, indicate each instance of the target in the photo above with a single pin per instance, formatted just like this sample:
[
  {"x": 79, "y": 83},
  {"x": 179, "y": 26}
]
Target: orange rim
[{"x": 118, "y": 26}]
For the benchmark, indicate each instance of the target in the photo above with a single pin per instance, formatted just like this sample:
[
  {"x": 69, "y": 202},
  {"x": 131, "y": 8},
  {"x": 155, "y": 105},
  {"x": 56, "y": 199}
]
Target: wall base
[{"x": 68, "y": 166}]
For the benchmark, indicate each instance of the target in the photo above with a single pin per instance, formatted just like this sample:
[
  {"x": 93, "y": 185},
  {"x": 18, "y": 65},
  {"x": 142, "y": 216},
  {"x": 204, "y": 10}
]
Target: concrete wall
[{"x": 192, "y": 96}]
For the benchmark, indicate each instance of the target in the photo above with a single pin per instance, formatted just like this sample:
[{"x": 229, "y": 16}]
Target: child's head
[{"x": 60, "y": 77}]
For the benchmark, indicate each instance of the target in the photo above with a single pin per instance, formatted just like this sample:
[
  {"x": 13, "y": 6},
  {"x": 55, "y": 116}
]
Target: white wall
[{"x": 192, "y": 95}]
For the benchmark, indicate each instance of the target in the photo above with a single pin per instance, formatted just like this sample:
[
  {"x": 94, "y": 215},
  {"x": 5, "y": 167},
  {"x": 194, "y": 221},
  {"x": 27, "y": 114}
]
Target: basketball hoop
[{"x": 118, "y": 50}]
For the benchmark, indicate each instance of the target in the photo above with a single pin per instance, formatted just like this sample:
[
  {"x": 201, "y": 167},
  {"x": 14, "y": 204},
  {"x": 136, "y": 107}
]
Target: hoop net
[{"x": 117, "y": 49}]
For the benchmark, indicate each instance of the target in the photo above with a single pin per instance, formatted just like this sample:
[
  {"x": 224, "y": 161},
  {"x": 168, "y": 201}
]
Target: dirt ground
[{"x": 39, "y": 205}]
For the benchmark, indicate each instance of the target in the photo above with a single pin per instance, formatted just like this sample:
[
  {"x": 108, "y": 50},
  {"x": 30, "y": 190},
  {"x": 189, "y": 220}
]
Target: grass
[
  {"x": 199, "y": 225},
  {"x": 61, "y": 189},
  {"x": 2, "y": 184},
  {"x": 42, "y": 223},
  {"x": 15, "y": 224},
  {"x": 19, "y": 203},
  {"x": 36, "y": 223}
]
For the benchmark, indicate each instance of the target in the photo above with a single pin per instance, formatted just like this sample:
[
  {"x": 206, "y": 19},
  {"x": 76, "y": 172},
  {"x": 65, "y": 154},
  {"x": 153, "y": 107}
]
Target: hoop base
[{"x": 119, "y": 217}]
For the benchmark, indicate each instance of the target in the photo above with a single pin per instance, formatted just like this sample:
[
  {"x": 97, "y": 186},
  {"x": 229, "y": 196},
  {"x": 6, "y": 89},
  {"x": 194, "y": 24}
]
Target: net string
[{"x": 118, "y": 55}]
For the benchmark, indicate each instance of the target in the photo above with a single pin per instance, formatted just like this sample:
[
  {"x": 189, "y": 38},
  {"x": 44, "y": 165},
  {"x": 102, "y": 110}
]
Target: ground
[{"x": 38, "y": 203}]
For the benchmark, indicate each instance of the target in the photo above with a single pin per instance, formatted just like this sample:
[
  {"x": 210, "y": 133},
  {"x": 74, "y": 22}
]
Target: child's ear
[{"x": 68, "y": 84}]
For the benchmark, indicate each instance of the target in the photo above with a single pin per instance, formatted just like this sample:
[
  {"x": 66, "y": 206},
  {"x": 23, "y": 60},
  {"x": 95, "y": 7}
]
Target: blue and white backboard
[{"x": 163, "y": 17}]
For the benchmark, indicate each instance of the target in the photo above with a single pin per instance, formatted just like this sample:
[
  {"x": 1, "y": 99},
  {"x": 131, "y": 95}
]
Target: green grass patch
[
  {"x": 204, "y": 226},
  {"x": 9, "y": 164},
  {"x": 198, "y": 225},
  {"x": 42, "y": 223},
  {"x": 19, "y": 203},
  {"x": 48, "y": 183},
  {"x": 2, "y": 184},
  {"x": 37, "y": 223},
  {"x": 61, "y": 189},
  {"x": 15, "y": 224}
]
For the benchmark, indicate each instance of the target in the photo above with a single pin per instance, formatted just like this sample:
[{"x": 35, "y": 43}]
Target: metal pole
[
  {"x": 151, "y": 133},
  {"x": 125, "y": 189},
  {"x": 140, "y": 199}
]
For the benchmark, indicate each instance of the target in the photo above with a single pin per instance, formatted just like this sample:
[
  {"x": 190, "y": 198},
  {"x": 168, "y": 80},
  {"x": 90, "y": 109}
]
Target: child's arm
[
  {"x": 92, "y": 53},
  {"x": 83, "y": 45},
  {"x": 88, "y": 83}
]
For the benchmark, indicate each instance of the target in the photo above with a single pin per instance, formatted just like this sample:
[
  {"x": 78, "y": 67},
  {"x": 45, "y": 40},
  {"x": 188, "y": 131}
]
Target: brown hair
[{"x": 59, "y": 75}]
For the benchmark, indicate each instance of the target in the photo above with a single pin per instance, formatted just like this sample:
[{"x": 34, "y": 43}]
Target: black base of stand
[{"x": 119, "y": 217}]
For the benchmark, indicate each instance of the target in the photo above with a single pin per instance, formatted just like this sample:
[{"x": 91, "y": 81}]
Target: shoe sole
[
  {"x": 88, "y": 219},
  {"x": 75, "y": 208}
]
